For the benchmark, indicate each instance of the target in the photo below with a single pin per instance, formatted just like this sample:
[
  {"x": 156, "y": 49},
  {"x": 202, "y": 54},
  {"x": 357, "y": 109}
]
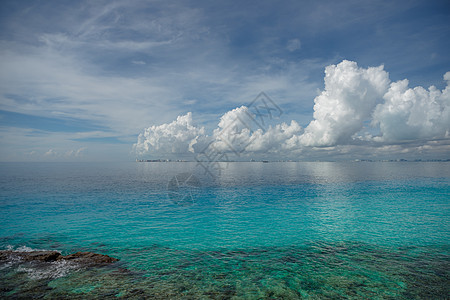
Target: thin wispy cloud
[{"x": 294, "y": 45}]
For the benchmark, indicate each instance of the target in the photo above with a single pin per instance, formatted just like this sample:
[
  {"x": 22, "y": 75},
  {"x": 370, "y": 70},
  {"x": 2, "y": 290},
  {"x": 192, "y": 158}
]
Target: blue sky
[{"x": 80, "y": 80}]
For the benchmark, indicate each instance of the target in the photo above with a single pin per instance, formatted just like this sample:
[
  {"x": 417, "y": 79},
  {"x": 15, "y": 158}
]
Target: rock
[
  {"x": 4, "y": 255},
  {"x": 86, "y": 258},
  {"x": 30, "y": 256},
  {"x": 90, "y": 258},
  {"x": 41, "y": 255}
]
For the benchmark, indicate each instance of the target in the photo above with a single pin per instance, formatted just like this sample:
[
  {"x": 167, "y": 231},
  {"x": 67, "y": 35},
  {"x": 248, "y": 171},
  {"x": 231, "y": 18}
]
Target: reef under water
[{"x": 317, "y": 270}]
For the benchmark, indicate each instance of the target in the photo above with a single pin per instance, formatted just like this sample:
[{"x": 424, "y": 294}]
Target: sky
[{"x": 290, "y": 80}]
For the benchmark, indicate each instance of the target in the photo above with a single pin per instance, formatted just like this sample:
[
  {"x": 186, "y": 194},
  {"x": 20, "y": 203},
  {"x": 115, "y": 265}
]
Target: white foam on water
[
  {"x": 50, "y": 270},
  {"x": 36, "y": 270},
  {"x": 12, "y": 259},
  {"x": 26, "y": 249}
]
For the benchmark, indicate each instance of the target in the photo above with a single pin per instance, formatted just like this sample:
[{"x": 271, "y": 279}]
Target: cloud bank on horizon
[{"x": 359, "y": 107}]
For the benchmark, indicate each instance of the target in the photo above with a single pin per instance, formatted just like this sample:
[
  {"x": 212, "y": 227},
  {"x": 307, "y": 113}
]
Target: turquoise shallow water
[{"x": 256, "y": 230}]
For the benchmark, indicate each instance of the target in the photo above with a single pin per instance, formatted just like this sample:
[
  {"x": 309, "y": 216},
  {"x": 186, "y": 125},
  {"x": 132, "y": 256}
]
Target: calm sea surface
[{"x": 256, "y": 230}]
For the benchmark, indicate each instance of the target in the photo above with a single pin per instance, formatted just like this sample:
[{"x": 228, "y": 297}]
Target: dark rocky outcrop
[
  {"x": 90, "y": 258},
  {"x": 40, "y": 255},
  {"x": 85, "y": 258}
]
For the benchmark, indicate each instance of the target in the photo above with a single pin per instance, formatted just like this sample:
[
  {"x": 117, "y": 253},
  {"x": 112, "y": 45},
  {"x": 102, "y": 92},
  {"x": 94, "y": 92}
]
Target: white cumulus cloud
[
  {"x": 413, "y": 113},
  {"x": 177, "y": 137},
  {"x": 360, "y": 109},
  {"x": 348, "y": 100},
  {"x": 234, "y": 130},
  {"x": 278, "y": 138},
  {"x": 236, "y": 133}
]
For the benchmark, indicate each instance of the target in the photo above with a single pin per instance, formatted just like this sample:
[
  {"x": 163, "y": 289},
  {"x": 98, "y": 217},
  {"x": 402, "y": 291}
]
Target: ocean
[{"x": 250, "y": 230}]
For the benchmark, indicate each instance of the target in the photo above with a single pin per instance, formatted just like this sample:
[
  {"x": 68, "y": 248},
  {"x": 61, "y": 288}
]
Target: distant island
[
  {"x": 160, "y": 160},
  {"x": 266, "y": 161}
]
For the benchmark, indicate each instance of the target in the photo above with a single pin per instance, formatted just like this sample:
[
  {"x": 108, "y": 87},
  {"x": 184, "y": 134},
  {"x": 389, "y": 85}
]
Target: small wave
[{"x": 26, "y": 249}]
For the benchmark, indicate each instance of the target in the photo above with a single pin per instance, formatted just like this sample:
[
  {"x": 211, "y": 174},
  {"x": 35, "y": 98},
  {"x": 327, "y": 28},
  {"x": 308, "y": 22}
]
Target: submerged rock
[{"x": 85, "y": 258}]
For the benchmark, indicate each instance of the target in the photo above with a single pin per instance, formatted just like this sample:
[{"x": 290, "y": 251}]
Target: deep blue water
[{"x": 255, "y": 230}]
